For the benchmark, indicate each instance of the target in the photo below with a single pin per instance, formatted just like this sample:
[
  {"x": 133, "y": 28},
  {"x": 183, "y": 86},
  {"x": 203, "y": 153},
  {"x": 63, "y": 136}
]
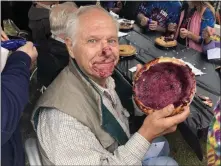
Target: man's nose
[{"x": 106, "y": 49}]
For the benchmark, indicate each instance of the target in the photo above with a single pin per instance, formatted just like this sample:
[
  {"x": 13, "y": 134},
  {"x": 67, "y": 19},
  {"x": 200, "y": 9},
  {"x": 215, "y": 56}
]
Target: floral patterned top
[{"x": 213, "y": 141}]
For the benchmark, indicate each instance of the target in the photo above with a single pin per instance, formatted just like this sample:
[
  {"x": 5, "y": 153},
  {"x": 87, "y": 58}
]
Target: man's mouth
[{"x": 104, "y": 68}]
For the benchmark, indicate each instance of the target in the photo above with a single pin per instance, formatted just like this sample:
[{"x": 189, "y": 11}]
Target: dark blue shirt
[
  {"x": 208, "y": 19},
  {"x": 163, "y": 12},
  {"x": 14, "y": 97}
]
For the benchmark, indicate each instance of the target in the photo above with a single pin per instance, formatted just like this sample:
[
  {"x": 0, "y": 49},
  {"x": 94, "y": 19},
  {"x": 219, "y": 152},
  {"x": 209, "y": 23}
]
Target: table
[{"x": 208, "y": 84}]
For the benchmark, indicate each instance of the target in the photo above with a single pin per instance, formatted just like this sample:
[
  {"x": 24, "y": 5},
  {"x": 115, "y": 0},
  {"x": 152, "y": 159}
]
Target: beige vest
[{"x": 73, "y": 93}]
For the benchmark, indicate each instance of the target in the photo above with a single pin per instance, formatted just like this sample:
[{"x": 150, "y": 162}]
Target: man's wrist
[{"x": 145, "y": 134}]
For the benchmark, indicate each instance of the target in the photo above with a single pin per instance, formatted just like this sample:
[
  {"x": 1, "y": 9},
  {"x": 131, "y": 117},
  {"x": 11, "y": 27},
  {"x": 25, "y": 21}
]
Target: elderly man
[
  {"x": 53, "y": 55},
  {"x": 79, "y": 120}
]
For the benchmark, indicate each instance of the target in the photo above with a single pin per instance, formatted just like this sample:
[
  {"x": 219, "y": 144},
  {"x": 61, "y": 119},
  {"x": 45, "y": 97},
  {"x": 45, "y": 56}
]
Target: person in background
[
  {"x": 114, "y": 6},
  {"x": 39, "y": 20},
  {"x": 194, "y": 18},
  {"x": 209, "y": 43},
  {"x": 213, "y": 139},
  {"x": 79, "y": 120},
  {"x": 14, "y": 97},
  {"x": 53, "y": 55},
  {"x": 159, "y": 16}
]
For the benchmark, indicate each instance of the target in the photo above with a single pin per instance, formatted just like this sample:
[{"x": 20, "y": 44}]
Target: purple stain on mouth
[{"x": 164, "y": 84}]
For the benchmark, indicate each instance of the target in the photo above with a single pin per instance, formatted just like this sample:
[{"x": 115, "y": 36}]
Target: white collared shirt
[{"x": 113, "y": 104}]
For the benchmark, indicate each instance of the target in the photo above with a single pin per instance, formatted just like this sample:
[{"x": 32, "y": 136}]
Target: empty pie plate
[{"x": 162, "y": 82}]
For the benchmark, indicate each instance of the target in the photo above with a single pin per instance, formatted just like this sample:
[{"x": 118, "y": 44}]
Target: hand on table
[
  {"x": 142, "y": 19},
  {"x": 184, "y": 33},
  {"x": 172, "y": 27},
  {"x": 153, "y": 25}
]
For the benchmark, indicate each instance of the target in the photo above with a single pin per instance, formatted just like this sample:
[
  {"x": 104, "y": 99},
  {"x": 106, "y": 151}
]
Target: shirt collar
[
  {"x": 57, "y": 38},
  {"x": 109, "y": 84}
]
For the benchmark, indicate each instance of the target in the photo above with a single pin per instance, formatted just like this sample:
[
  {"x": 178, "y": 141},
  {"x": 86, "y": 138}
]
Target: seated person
[
  {"x": 79, "y": 119},
  {"x": 194, "y": 18},
  {"x": 114, "y": 6},
  {"x": 159, "y": 16},
  {"x": 53, "y": 55},
  {"x": 38, "y": 16},
  {"x": 209, "y": 43}
]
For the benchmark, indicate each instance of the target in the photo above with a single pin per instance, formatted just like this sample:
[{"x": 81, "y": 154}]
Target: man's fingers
[
  {"x": 139, "y": 66},
  {"x": 165, "y": 112},
  {"x": 176, "y": 119}
]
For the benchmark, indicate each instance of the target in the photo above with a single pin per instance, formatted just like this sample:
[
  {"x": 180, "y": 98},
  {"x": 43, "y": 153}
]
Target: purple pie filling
[{"x": 164, "y": 84}]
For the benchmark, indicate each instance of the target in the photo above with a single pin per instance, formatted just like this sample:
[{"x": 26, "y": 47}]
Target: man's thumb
[{"x": 166, "y": 111}]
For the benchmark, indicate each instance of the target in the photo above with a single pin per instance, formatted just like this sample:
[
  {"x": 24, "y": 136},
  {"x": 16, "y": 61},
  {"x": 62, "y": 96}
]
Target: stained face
[{"x": 96, "y": 50}]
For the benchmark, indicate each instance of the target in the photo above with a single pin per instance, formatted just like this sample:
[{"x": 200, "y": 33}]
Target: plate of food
[
  {"x": 161, "y": 82},
  {"x": 166, "y": 42},
  {"x": 127, "y": 50},
  {"x": 125, "y": 24}
]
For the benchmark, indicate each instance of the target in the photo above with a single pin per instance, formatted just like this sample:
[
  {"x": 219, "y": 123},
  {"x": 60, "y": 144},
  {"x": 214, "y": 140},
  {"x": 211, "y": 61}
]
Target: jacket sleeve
[{"x": 14, "y": 92}]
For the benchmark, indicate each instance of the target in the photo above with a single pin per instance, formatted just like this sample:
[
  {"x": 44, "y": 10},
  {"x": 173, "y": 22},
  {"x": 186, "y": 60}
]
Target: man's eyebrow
[{"x": 98, "y": 36}]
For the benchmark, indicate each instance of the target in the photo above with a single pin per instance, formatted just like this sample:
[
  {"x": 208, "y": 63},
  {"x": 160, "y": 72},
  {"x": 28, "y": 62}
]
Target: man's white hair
[
  {"x": 59, "y": 16},
  {"x": 73, "y": 20}
]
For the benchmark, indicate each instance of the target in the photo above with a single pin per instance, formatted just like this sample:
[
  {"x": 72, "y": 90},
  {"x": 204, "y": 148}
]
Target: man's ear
[{"x": 69, "y": 45}]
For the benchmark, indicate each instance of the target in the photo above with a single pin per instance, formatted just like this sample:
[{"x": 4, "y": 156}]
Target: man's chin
[
  {"x": 104, "y": 71},
  {"x": 103, "y": 74}
]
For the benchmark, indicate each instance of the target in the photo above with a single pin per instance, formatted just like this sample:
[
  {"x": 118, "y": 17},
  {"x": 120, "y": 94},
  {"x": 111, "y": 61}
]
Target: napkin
[
  {"x": 121, "y": 34},
  {"x": 114, "y": 15},
  {"x": 213, "y": 53},
  {"x": 122, "y": 20},
  {"x": 196, "y": 71}
]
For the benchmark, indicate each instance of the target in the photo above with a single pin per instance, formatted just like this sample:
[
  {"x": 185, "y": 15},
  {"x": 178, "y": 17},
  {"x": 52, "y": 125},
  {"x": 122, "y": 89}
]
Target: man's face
[{"x": 96, "y": 50}]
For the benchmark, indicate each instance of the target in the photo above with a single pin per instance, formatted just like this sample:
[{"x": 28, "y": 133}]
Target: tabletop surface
[{"x": 207, "y": 85}]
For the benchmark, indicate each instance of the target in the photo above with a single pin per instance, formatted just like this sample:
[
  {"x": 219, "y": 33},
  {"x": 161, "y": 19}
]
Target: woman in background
[{"x": 194, "y": 17}]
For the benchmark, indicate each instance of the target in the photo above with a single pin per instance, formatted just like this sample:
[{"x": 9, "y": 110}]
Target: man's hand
[
  {"x": 142, "y": 19},
  {"x": 4, "y": 37},
  {"x": 184, "y": 33},
  {"x": 153, "y": 25},
  {"x": 172, "y": 27},
  {"x": 29, "y": 49},
  {"x": 158, "y": 123}
]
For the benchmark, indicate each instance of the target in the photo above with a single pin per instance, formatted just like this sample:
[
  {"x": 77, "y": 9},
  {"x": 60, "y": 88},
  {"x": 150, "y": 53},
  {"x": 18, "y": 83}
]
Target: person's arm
[
  {"x": 66, "y": 141},
  {"x": 160, "y": 29},
  {"x": 173, "y": 19},
  {"x": 15, "y": 87},
  {"x": 208, "y": 19},
  {"x": 14, "y": 92}
]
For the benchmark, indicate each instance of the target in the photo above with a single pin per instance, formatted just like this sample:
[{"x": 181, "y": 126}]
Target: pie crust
[
  {"x": 175, "y": 84},
  {"x": 165, "y": 43}
]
